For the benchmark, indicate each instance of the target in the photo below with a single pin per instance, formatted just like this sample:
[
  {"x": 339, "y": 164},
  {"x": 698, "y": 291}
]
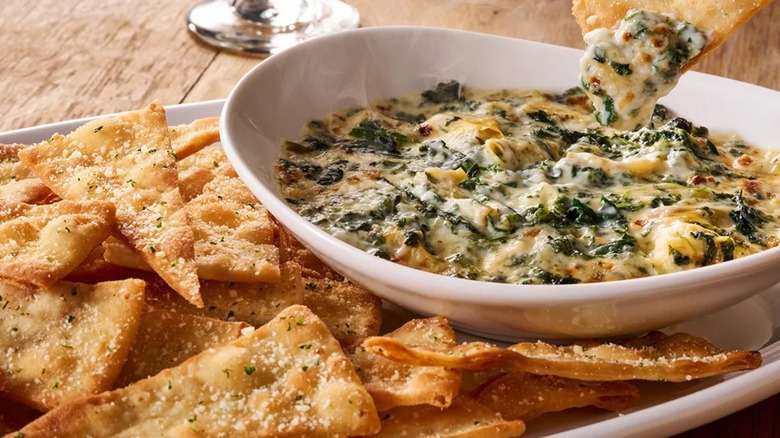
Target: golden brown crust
[
  {"x": 392, "y": 384},
  {"x": 721, "y": 18},
  {"x": 291, "y": 250},
  {"x": 166, "y": 339},
  {"x": 234, "y": 235},
  {"x": 523, "y": 396},
  {"x": 127, "y": 160},
  {"x": 192, "y": 137},
  {"x": 28, "y": 191},
  {"x": 351, "y": 312},
  {"x": 95, "y": 269},
  {"x": 200, "y": 168},
  {"x": 656, "y": 356},
  {"x": 253, "y": 303},
  {"x": 40, "y": 244},
  {"x": 68, "y": 341},
  {"x": 240, "y": 389},
  {"x": 465, "y": 418}
]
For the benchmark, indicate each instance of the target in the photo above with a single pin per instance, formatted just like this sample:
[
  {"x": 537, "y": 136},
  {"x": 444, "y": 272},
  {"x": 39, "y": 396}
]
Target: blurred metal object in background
[{"x": 268, "y": 26}]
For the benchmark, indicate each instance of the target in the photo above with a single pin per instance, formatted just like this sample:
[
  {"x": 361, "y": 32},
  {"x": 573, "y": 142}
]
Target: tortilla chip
[
  {"x": 351, "y": 313},
  {"x": 166, "y": 339},
  {"x": 253, "y": 303},
  {"x": 199, "y": 169},
  {"x": 291, "y": 250},
  {"x": 28, "y": 191},
  {"x": 127, "y": 160},
  {"x": 465, "y": 418},
  {"x": 68, "y": 341},
  {"x": 288, "y": 378},
  {"x": 95, "y": 269},
  {"x": 11, "y": 169},
  {"x": 721, "y": 18},
  {"x": 192, "y": 137},
  {"x": 234, "y": 236},
  {"x": 391, "y": 384},
  {"x": 655, "y": 356},
  {"x": 522, "y": 396},
  {"x": 40, "y": 244}
]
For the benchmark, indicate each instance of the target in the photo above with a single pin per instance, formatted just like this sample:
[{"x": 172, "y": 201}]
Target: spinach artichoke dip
[
  {"x": 535, "y": 188},
  {"x": 626, "y": 70},
  {"x": 526, "y": 187}
]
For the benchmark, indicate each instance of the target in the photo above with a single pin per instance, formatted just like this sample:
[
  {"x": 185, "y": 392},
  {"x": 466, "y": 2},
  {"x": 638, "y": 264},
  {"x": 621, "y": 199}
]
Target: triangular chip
[
  {"x": 95, "y": 269},
  {"x": 40, "y": 244},
  {"x": 522, "y": 396},
  {"x": 253, "y": 303},
  {"x": 234, "y": 236},
  {"x": 392, "y": 384},
  {"x": 118, "y": 253},
  {"x": 291, "y": 250},
  {"x": 199, "y": 169},
  {"x": 655, "y": 356},
  {"x": 465, "y": 418},
  {"x": 28, "y": 191},
  {"x": 351, "y": 313},
  {"x": 68, "y": 341},
  {"x": 192, "y": 137},
  {"x": 166, "y": 339},
  {"x": 721, "y": 17},
  {"x": 289, "y": 378},
  {"x": 11, "y": 169},
  {"x": 127, "y": 160}
]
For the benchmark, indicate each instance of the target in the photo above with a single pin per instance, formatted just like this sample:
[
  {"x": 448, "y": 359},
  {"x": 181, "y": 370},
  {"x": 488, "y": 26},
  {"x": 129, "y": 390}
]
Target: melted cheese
[
  {"x": 626, "y": 70},
  {"x": 525, "y": 187}
]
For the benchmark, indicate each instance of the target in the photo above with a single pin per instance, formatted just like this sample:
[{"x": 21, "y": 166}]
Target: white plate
[{"x": 664, "y": 408}]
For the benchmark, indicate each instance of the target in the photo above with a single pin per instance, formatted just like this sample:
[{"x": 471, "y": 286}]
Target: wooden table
[{"x": 61, "y": 60}]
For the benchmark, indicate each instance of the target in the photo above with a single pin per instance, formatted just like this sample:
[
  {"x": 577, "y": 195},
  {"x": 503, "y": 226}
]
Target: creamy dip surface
[
  {"x": 527, "y": 187},
  {"x": 626, "y": 70}
]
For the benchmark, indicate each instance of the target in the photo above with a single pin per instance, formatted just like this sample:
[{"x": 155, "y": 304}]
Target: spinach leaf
[
  {"x": 747, "y": 219},
  {"x": 374, "y": 138},
  {"x": 624, "y": 244},
  {"x": 443, "y": 93}
]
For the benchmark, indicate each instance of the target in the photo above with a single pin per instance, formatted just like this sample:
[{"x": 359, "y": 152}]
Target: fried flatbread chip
[
  {"x": 234, "y": 235},
  {"x": 166, "y": 339},
  {"x": 392, "y": 384},
  {"x": 655, "y": 356},
  {"x": 721, "y": 17},
  {"x": 11, "y": 169},
  {"x": 523, "y": 396},
  {"x": 465, "y": 418},
  {"x": 40, "y": 244},
  {"x": 95, "y": 269},
  {"x": 351, "y": 313},
  {"x": 192, "y": 137},
  {"x": 28, "y": 191},
  {"x": 127, "y": 160},
  {"x": 118, "y": 253},
  {"x": 287, "y": 379},
  {"x": 253, "y": 303},
  {"x": 200, "y": 168},
  {"x": 68, "y": 341},
  {"x": 291, "y": 250}
]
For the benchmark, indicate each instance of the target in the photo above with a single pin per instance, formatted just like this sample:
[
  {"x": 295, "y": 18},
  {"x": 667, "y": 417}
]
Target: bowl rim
[{"x": 452, "y": 288}]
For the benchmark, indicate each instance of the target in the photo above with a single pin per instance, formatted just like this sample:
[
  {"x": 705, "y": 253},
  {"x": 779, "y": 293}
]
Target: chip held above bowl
[{"x": 528, "y": 143}]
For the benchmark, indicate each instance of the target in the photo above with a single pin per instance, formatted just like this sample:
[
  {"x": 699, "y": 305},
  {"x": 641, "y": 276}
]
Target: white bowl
[{"x": 274, "y": 101}]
